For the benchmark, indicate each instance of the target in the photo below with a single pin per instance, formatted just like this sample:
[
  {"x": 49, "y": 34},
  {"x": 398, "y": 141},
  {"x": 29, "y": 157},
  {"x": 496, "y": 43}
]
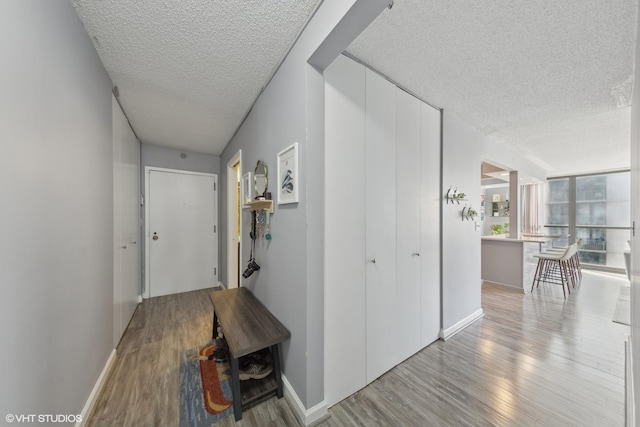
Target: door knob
[
  {"x": 155, "y": 236},
  {"x": 373, "y": 260},
  {"x": 416, "y": 254},
  {"x": 123, "y": 247}
]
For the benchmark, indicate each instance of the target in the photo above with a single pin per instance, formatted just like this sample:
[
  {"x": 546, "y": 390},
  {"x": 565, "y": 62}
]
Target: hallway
[{"x": 532, "y": 360}]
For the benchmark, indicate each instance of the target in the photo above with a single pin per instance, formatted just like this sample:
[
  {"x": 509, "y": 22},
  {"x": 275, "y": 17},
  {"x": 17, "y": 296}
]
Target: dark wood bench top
[{"x": 247, "y": 324}]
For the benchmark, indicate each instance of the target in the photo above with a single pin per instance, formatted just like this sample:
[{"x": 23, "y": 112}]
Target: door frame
[
  {"x": 233, "y": 260},
  {"x": 147, "y": 233}
]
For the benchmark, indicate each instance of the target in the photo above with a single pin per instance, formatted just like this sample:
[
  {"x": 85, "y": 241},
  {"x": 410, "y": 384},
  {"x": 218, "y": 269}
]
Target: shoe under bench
[{"x": 247, "y": 326}]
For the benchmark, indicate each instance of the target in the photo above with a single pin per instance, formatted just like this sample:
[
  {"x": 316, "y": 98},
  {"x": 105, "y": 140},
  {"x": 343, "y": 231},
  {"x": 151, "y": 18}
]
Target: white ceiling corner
[
  {"x": 551, "y": 79},
  {"x": 188, "y": 71}
]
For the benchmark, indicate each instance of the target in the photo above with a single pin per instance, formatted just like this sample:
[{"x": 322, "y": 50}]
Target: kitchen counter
[{"x": 511, "y": 263}]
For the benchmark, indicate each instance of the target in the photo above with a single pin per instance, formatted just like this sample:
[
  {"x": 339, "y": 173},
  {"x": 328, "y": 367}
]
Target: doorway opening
[
  {"x": 234, "y": 221},
  {"x": 494, "y": 200}
]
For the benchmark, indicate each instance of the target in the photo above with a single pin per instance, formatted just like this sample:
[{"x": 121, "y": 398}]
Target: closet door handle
[
  {"x": 373, "y": 261},
  {"x": 416, "y": 254}
]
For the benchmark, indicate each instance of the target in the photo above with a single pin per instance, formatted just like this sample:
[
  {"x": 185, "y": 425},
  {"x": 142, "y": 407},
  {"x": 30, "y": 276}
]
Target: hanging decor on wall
[
  {"x": 454, "y": 196},
  {"x": 468, "y": 213},
  {"x": 288, "y": 173}
]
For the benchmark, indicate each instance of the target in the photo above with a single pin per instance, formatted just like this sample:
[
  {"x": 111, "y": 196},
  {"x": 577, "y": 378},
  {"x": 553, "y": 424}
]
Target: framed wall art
[{"x": 287, "y": 185}]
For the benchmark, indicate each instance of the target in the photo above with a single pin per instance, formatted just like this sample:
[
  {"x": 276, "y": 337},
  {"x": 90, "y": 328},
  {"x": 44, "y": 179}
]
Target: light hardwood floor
[{"x": 533, "y": 360}]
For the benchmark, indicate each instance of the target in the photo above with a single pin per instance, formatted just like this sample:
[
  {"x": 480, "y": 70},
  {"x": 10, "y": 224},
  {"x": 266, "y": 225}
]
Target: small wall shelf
[
  {"x": 260, "y": 205},
  {"x": 500, "y": 209}
]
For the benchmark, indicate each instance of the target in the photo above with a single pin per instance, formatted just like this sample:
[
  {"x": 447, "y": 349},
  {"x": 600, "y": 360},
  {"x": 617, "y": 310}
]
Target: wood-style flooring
[{"x": 533, "y": 360}]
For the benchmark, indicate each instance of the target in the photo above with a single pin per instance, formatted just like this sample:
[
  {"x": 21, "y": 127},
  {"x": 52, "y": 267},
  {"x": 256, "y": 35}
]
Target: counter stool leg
[
  {"x": 536, "y": 274},
  {"x": 563, "y": 279}
]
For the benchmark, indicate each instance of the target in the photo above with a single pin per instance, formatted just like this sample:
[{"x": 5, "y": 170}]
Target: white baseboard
[
  {"x": 97, "y": 388},
  {"x": 630, "y": 405},
  {"x": 505, "y": 286},
  {"x": 306, "y": 416},
  {"x": 458, "y": 326}
]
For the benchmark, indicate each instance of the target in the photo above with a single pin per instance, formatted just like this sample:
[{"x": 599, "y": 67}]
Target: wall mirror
[{"x": 260, "y": 180}]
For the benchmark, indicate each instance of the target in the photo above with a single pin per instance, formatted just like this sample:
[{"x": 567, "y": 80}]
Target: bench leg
[
  {"x": 215, "y": 326},
  {"x": 235, "y": 386},
  {"x": 275, "y": 353}
]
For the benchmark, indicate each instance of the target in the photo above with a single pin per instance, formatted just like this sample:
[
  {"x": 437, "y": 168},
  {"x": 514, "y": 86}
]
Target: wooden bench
[{"x": 247, "y": 326}]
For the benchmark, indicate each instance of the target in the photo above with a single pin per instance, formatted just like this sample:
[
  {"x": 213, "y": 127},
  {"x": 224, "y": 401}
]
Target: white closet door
[
  {"x": 380, "y": 155},
  {"x": 408, "y": 224},
  {"x": 130, "y": 224},
  {"x": 345, "y": 329},
  {"x": 430, "y": 227},
  {"x": 126, "y": 201}
]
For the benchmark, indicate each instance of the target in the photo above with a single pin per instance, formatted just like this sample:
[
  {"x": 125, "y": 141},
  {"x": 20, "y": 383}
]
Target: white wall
[
  {"x": 290, "y": 282},
  {"x": 166, "y": 157},
  {"x": 461, "y": 282},
  {"x": 635, "y": 216},
  {"x": 56, "y": 222}
]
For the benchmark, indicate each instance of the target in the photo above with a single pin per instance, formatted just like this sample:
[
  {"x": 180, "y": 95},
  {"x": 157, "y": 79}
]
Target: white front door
[{"x": 182, "y": 232}]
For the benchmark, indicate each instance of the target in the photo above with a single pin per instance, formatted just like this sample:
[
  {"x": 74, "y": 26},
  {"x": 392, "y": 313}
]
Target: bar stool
[
  {"x": 574, "y": 264},
  {"x": 555, "y": 268}
]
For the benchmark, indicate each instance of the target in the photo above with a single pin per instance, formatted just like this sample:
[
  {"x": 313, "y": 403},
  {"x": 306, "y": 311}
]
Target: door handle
[
  {"x": 132, "y": 243},
  {"x": 373, "y": 261},
  {"x": 155, "y": 236},
  {"x": 123, "y": 247},
  {"x": 416, "y": 254}
]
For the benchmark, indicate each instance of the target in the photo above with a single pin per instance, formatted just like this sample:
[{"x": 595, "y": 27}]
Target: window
[
  {"x": 601, "y": 216},
  {"x": 558, "y": 209}
]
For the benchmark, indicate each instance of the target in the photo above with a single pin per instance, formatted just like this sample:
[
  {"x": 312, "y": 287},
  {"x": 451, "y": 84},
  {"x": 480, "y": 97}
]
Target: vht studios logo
[{"x": 42, "y": 418}]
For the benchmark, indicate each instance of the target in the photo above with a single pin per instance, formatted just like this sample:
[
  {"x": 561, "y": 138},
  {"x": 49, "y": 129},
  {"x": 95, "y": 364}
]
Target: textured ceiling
[
  {"x": 550, "y": 78},
  {"x": 188, "y": 71}
]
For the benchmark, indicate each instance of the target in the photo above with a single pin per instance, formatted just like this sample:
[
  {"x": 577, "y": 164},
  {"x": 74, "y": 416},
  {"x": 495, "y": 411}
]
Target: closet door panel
[
  {"x": 345, "y": 315},
  {"x": 380, "y": 193},
  {"x": 408, "y": 223},
  {"x": 430, "y": 131},
  {"x": 126, "y": 199}
]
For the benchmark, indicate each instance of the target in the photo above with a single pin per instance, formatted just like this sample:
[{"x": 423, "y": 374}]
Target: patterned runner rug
[{"x": 205, "y": 387}]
